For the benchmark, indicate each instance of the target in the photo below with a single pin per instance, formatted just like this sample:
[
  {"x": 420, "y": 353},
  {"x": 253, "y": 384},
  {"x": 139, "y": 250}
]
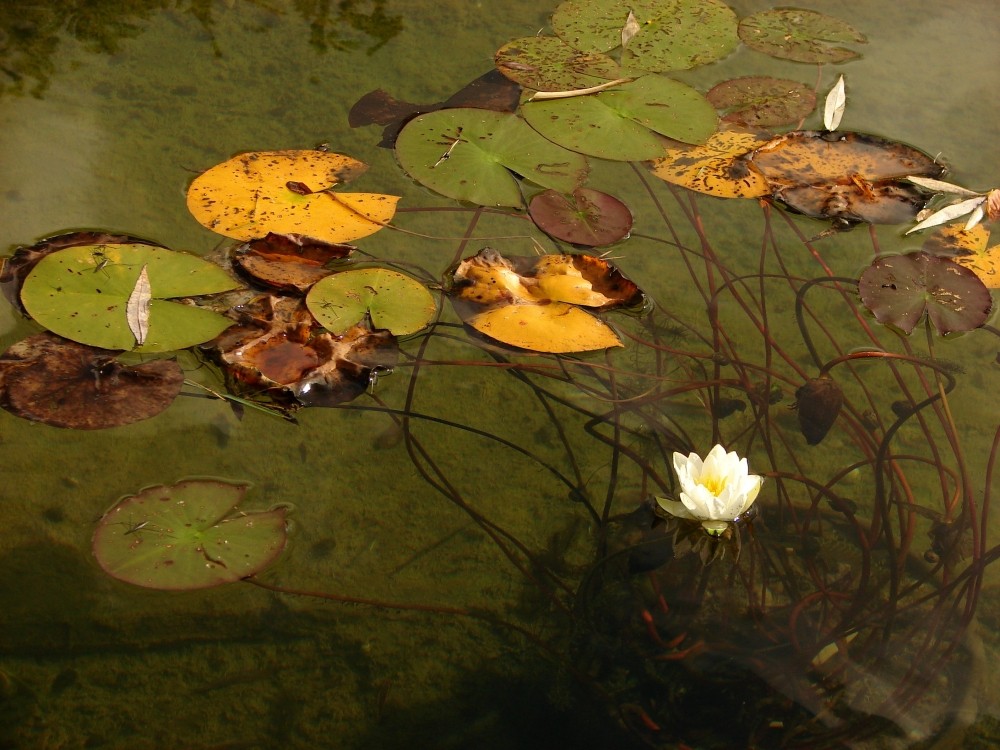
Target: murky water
[{"x": 515, "y": 636}]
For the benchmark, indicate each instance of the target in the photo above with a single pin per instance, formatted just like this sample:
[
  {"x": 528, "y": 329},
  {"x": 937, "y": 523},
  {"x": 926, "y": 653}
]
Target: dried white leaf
[
  {"x": 949, "y": 212},
  {"x": 836, "y": 100},
  {"x": 630, "y": 29},
  {"x": 137, "y": 308},
  {"x": 975, "y": 218},
  {"x": 940, "y": 186},
  {"x": 543, "y": 95}
]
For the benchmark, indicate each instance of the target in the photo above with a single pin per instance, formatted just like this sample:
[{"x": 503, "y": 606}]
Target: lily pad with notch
[
  {"x": 586, "y": 217},
  {"x": 49, "y": 379},
  {"x": 82, "y": 293},
  {"x": 393, "y": 301},
  {"x": 899, "y": 289},
  {"x": 188, "y": 535},
  {"x": 625, "y": 123},
  {"x": 671, "y": 35},
  {"x": 473, "y": 154},
  {"x": 717, "y": 167},
  {"x": 800, "y": 35},
  {"x": 287, "y": 192},
  {"x": 547, "y": 63},
  {"x": 762, "y": 102}
]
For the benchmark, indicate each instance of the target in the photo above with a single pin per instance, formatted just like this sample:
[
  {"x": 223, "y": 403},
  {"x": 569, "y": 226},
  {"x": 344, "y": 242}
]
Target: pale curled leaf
[
  {"x": 940, "y": 186},
  {"x": 137, "y": 308},
  {"x": 630, "y": 29},
  {"x": 948, "y": 213},
  {"x": 543, "y": 95},
  {"x": 836, "y": 100},
  {"x": 974, "y": 218}
]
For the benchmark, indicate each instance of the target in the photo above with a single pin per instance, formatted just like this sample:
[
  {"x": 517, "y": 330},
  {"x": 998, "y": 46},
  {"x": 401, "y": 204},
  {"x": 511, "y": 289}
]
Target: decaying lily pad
[
  {"x": 83, "y": 292},
  {"x": 547, "y": 63},
  {"x": 800, "y": 35},
  {"x": 289, "y": 263},
  {"x": 671, "y": 35},
  {"x": 718, "y": 168},
  {"x": 46, "y": 378},
  {"x": 188, "y": 535},
  {"x": 762, "y": 102},
  {"x": 587, "y": 217},
  {"x": 818, "y": 402},
  {"x": 470, "y": 154},
  {"x": 898, "y": 289},
  {"x": 391, "y": 300},
  {"x": 278, "y": 351},
  {"x": 624, "y": 123},
  {"x": 534, "y": 302},
  {"x": 968, "y": 247},
  {"x": 287, "y": 192}
]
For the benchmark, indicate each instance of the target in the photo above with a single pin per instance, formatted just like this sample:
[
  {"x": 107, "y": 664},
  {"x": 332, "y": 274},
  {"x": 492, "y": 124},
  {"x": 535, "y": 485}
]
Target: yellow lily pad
[
  {"x": 287, "y": 192},
  {"x": 968, "y": 247},
  {"x": 717, "y": 167},
  {"x": 557, "y": 328}
]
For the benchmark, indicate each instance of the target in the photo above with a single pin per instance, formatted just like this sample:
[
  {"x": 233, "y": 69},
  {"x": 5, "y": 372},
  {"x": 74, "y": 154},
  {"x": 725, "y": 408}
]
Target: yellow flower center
[{"x": 714, "y": 484}]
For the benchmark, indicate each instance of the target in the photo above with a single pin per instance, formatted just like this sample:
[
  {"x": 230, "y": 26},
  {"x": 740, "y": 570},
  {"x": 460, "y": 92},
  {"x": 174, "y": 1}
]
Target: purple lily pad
[
  {"x": 898, "y": 289},
  {"x": 587, "y": 217}
]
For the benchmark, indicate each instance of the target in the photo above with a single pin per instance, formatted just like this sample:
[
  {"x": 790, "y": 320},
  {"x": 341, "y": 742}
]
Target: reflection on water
[{"x": 497, "y": 578}]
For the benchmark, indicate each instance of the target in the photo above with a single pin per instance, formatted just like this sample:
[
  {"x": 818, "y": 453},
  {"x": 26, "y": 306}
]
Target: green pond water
[{"x": 509, "y": 634}]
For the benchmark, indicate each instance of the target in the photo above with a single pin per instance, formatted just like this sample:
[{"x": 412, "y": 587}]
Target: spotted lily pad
[
  {"x": 671, "y": 35},
  {"x": 587, "y": 217},
  {"x": 800, "y": 35},
  {"x": 188, "y": 535},
  {"x": 470, "y": 154},
  {"x": 622, "y": 123},
  {"x": 718, "y": 167},
  {"x": 898, "y": 289},
  {"x": 970, "y": 248},
  {"x": 82, "y": 293},
  {"x": 46, "y": 378},
  {"x": 762, "y": 102},
  {"x": 287, "y": 192},
  {"x": 393, "y": 300},
  {"x": 547, "y": 63}
]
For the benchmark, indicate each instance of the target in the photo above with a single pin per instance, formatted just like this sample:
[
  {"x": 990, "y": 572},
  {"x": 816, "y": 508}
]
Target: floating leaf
[
  {"x": 630, "y": 29},
  {"x": 761, "y": 102},
  {"x": 287, "y": 192},
  {"x": 968, "y": 247},
  {"x": 818, "y": 402},
  {"x": 622, "y": 123},
  {"x": 547, "y": 63},
  {"x": 952, "y": 211},
  {"x": 188, "y": 535},
  {"x": 940, "y": 186},
  {"x": 888, "y": 202},
  {"x": 672, "y": 34},
  {"x": 469, "y": 154},
  {"x": 50, "y": 379},
  {"x": 137, "y": 308},
  {"x": 836, "y": 101},
  {"x": 289, "y": 263},
  {"x": 717, "y": 168},
  {"x": 528, "y": 302},
  {"x": 898, "y": 289},
  {"x": 587, "y": 217},
  {"x": 394, "y": 301},
  {"x": 277, "y": 350},
  {"x": 800, "y": 35},
  {"x": 82, "y": 293}
]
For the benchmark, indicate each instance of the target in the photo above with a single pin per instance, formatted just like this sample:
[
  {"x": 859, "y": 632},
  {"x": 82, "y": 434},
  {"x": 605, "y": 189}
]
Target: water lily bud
[
  {"x": 818, "y": 402},
  {"x": 715, "y": 491}
]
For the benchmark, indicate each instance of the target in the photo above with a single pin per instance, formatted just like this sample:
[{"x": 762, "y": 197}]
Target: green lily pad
[
  {"x": 82, "y": 293},
  {"x": 898, "y": 289},
  {"x": 762, "y": 102},
  {"x": 470, "y": 154},
  {"x": 800, "y": 35},
  {"x": 394, "y": 301},
  {"x": 189, "y": 535},
  {"x": 622, "y": 123},
  {"x": 547, "y": 63},
  {"x": 672, "y": 35}
]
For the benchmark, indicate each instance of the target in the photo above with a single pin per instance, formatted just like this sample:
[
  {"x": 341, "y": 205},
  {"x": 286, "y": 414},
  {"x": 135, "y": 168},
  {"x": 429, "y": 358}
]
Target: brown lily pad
[
  {"x": 818, "y": 402},
  {"x": 587, "y": 217},
  {"x": 762, "y": 102},
  {"x": 288, "y": 262},
  {"x": 46, "y": 378}
]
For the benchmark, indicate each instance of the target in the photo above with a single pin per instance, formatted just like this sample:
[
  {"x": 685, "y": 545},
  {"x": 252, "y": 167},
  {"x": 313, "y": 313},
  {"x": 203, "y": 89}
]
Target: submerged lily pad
[
  {"x": 547, "y": 63},
  {"x": 800, "y": 35},
  {"x": 587, "y": 217},
  {"x": 188, "y": 535},
  {"x": 672, "y": 34},
  {"x": 287, "y": 192},
  {"x": 82, "y": 293},
  {"x": 289, "y": 263},
  {"x": 470, "y": 154},
  {"x": 899, "y": 289},
  {"x": 46, "y": 378},
  {"x": 762, "y": 102},
  {"x": 393, "y": 300},
  {"x": 622, "y": 123}
]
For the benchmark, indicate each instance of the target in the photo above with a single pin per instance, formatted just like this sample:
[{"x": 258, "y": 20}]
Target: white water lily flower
[{"x": 715, "y": 491}]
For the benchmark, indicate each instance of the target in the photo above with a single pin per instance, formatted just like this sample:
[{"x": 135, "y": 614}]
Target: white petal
[{"x": 675, "y": 508}]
